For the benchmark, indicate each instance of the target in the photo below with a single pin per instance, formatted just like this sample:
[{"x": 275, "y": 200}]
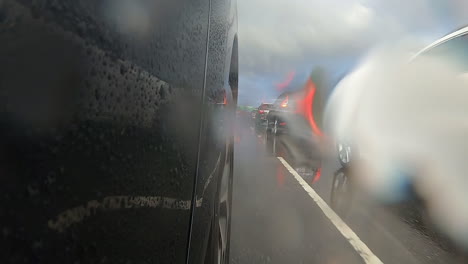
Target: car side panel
[
  {"x": 218, "y": 121},
  {"x": 100, "y": 109}
]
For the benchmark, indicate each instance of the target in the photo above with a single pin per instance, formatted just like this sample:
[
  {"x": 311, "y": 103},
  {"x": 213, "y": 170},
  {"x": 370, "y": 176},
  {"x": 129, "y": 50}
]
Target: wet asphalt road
[{"x": 276, "y": 221}]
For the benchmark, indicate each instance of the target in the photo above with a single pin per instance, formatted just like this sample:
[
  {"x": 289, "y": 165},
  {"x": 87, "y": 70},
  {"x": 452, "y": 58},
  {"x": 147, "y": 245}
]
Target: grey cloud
[{"x": 277, "y": 34}]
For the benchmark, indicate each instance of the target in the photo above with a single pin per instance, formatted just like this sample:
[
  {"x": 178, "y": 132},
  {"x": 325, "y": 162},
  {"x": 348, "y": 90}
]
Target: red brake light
[
  {"x": 317, "y": 175},
  {"x": 285, "y": 102},
  {"x": 306, "y": 107},
  {"x": 261, "y": 111}
]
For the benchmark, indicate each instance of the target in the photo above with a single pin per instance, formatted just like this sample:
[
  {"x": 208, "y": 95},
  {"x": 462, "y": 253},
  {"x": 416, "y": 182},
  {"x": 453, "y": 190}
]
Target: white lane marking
[{"x": 344, "y": 229}]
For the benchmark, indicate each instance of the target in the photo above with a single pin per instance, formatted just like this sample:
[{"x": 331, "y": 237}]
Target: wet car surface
[{"x": 102, "y": 130}]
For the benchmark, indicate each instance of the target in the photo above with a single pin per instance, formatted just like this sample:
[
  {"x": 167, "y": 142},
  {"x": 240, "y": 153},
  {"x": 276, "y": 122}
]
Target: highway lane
[{"x": 276, "y": 221}]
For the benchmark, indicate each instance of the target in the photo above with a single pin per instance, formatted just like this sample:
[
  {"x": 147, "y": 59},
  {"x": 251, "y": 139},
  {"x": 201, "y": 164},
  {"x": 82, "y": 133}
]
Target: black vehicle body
[
  {"x": 288, "y": 132},
  {"x": 284, "y": 112},
  {"x": 298, "y": 115},
  {"x": 116, "y": 137},
  {"x": 261, "y": 114}
]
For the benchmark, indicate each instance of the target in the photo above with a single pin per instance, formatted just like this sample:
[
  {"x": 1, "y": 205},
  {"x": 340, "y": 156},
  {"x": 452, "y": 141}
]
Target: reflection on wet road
[{"x": 275, "y": 220}]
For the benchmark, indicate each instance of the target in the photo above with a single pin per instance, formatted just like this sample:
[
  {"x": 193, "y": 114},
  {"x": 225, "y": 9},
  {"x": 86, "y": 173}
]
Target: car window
[
  {"x": 454, "y": 50},
  {"x": 265, "y": 107},
  {"x": 280, "y": 99}
]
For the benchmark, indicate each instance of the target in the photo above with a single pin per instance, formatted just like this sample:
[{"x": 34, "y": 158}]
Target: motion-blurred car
[
  {"x": 298, "y": 115},
  {"x": 261, "y": 114},
  {"x": 282, "y": 110},
  {"x": 108, "y": 154},
  {"x": 452, "y": 47},
  {"x": 407, "y": 180}
]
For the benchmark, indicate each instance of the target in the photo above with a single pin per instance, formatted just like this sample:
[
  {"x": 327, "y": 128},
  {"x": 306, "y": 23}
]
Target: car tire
[
  {"x": 268, "y": 125},
  {"x": 341, "y": 197},
  {"x": 219, "y": 242},
  {"x": 271, "y": 139},
  {"x": 344, "y": 154},
  {"x": 275, "y": 127},
  {"x": 270, "y": 144}
]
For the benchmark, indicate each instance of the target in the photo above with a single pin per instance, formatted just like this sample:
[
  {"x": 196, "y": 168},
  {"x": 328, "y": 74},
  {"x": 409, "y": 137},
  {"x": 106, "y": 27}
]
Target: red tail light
[
  {"x": 306, "y": 106},
  {"x": 282, "y": 123},
  {"x": 317, "y": 175},
  {"x": 285, "y": 102},
  {"x": 261, "y": 111}
]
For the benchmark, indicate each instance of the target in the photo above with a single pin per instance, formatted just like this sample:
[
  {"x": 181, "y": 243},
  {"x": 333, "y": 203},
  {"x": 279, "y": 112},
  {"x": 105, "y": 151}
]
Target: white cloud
[
  {"x": 277, "y": 36},
  {"x": 360, "y": 16}
]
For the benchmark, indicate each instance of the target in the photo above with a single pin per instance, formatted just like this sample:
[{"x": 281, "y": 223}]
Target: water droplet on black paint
[
  {"x": 97, "y": 95},
  {"x": 2, "y": 16},
  {"x": 123, "y": 69},
  {"x": 32, "y": 190},
  {"x": 162, "y": 92}
]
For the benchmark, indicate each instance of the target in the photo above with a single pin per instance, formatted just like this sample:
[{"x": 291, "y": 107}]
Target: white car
[{"x": 402, "y": 127}]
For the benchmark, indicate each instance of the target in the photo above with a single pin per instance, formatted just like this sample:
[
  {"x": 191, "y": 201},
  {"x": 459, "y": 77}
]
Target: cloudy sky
[{"x": 283, "y": 38}]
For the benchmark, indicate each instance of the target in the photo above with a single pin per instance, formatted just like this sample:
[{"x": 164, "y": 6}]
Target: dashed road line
[{"x": 361, "y": 248}]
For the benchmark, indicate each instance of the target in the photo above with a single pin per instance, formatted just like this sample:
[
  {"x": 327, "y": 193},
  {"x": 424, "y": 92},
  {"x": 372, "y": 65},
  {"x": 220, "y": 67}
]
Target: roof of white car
[{"x": 455, "y": 34}]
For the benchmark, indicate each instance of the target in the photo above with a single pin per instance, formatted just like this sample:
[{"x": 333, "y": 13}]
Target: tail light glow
[
  {"x": 285, "y": 102},
  {"x": 317, "y": 175},
  {"x": 306, "y": 106}
]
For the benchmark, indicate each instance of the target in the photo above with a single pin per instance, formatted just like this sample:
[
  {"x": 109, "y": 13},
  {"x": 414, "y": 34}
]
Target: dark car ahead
[
  {"x": 116, "y": 140},
  {"x": 298, "y": 115},
  {"x": 282, "y": 112},
  {"x": 261, "y": 114}
]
